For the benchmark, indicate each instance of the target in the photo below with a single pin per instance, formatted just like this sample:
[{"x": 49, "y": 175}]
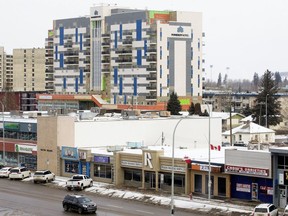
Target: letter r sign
[{"x": 147, "y": 159}]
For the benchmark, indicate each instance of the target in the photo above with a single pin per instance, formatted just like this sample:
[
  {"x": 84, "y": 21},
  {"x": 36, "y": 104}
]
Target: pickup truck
[{"x": 79, "y": 182}]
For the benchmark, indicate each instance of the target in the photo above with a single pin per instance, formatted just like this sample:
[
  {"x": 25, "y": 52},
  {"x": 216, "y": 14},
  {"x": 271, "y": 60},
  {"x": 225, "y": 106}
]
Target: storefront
[
  {"x": 251, "y": 176},
  {"x": 103, "y": 168},
  {"x": 219, "y": 180},
  {"x": 150, "y": 169},
  {"x": 280, "y": 173},
  {"x": 74, "y": 161}
]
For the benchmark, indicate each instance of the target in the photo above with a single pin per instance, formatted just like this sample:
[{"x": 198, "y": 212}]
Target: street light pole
[
  {"x": 173, "y": 164},
  {"x": 266, "y": 112},
  {"x": 209, "y": 156},
  {"x": 3, "y": 132}
]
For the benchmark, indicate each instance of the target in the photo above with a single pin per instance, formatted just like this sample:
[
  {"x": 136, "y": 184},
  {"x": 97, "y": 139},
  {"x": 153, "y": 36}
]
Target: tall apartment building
[
  {"x": 128, "y": 54},
  {"x": 71, "y": 50},
  {"x": 6, "y": 71},
  {"x": 145, "y": 55},
  {"x": 29, "y": 69},
  {"x": 49, "y": 69}
]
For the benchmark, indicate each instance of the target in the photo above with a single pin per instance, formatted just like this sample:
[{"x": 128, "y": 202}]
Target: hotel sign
[
  {"x": 169, "y": 168},
  {"x": 246, "y": 170},
  {"x": 131, "y": 163}
]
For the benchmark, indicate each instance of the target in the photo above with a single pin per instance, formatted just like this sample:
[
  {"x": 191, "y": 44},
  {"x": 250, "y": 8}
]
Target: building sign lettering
[
  {"x": 147, "y": 159},
  {"x": 25, "y": 148},
  {"x": 169, "y": 168},
  {"x": 131, "y": 163},
  {"x": 246, "y": 170},
  {"x": 243, "y": 187},
  {"x": 101, "y": 159},
  {"x": 69, "y": 153}
]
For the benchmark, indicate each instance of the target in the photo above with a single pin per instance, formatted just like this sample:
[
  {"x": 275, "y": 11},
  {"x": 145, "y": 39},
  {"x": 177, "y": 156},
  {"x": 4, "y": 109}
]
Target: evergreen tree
[
  {"x": 278, "y": 79},
  {"x": 267, "y": 97},
  {"x": 174, "y": 104},
  {"x": 247, "y": 111},
  {"x": 225, "y": 80},
  {"x": 198, "y": 109},
  {"x": 256, "y": 80},
  {"x": 191, "y": 109},
  {"x": 219, "y": 82}
]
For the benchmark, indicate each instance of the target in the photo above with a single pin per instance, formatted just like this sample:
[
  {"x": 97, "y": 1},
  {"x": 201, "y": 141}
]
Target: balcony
[
  {"x": 127, "y": 42},
  {"x": 151, "y": 97},
  {"x": 105, "y": 52},
  {"x": 127, "y": 33},
  {"x": 105, "y": 61},
  {"x": 120, "y": 60},
  {"x": 151, "y": 32},
  {"x": 120, "y": 51},
  {"x": 105, "y": 35},
  {"x": 151, "y": 69},
  {"x": 152, "y": 50},
  {"x": 151, "y": 87},
  {"x": 105, "y": 43},
  {"x": 71, "y": 53},
  {"x": 151, "y": 59},
  {"x": 151, "y": 78}
]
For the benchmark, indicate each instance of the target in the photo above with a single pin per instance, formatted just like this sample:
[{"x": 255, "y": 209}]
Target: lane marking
[
  {"x": 145, "y": 212},
  {"x": 115, "y": 206}
]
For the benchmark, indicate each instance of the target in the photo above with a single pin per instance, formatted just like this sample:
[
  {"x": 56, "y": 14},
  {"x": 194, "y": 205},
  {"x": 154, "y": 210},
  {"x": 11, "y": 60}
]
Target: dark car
[{"x": 79, "y": 203}]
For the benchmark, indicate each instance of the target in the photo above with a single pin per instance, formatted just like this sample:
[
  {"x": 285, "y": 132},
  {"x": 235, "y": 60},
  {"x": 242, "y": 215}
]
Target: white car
[
  {"x": 265, "y": 209},
  {"x": 5, "y": 171},
  {"x": 19, "y": 173},
  {"x": 43, "y": 176}
]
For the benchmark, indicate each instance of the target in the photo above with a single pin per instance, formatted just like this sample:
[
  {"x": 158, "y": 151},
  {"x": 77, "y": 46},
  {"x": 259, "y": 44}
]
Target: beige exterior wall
[
  {"x": 51, "y": 135},
  {"x": 29, "y": 69}
]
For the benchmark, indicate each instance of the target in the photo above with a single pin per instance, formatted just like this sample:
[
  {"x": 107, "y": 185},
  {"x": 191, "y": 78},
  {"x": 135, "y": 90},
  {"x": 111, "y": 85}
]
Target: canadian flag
[
  {"x": 213, "y": 147},
  {"x": 187, "y": 159}
]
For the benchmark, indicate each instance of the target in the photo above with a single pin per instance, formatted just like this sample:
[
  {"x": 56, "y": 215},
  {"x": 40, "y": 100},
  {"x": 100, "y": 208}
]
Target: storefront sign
[
  {"x": 147, "y": 159},
  {"x": 243, "y": 187},
  {"x": 246, "y": 170},
  {"x": 69, "y": 153},
  {"x": 25, "y": 148},
  {"x": 270, "y": 191},
  {"x": 169, "y": 168},
  {"x": 82, "y": 155},
  {"x": 101, "y": 159},
  {"x": 131, "y": 163},
  {"x": 205, "y": 168},
  {"x": 11, "y": 126}
]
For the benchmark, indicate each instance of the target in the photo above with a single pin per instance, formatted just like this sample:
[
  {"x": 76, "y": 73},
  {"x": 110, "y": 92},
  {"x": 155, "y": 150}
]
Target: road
[{"x": 25, "y": 198}]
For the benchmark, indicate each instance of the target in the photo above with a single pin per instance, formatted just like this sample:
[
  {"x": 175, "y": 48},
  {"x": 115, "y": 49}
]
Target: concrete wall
[{"x": 191, "y": 133}]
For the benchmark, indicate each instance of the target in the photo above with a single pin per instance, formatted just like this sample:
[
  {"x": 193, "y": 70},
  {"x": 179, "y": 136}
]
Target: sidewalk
[{"x": 196, "y": 204}]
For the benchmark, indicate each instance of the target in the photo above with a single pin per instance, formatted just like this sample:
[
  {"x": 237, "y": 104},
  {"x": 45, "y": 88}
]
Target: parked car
[
  {"x": 5, "y": 171},
  {"x": 79, "y": 182},
  {"x": 285, "y": 213},
  {"x": 79, "y": 203},
  {"x": 19, "y": 173},
  {"x": 240, "y": 144},
  {"x": 265, "y": 209},
  {"x": 43, "y": 176}
]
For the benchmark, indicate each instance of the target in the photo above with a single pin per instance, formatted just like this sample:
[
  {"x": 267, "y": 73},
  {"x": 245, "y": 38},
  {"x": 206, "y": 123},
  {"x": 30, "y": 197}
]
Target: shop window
[
  {"x": 71, "y": 167},
  {"x": 133, "y": 175},
  {"x": 102, "y": 171},
  {"x": 179, "y": 180},
  {"x": 222, "y": 186},
  {"x": 198, "y": 183},
  {"x": 281, "y": 162}
]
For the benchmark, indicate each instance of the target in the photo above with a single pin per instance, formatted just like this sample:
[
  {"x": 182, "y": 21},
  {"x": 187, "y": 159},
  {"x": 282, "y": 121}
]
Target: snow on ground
[{"x": 197, "y": 203}]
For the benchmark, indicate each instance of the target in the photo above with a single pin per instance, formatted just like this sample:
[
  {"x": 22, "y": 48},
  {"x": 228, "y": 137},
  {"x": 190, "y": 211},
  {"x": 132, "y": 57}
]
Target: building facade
[
  {"x": 6, "y": 70},
  {"x": 29, "y": 69},
  {"x": 71, "y": 50}
]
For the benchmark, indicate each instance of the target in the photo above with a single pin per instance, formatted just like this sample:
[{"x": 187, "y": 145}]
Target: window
[
  {"x": 133, "y": 175},
  {"x": 281, "y": 162},
  {"x": 240, "y": 137},
  {"x": 266, "y": 136},
  {"x": 71, "y": 167},
  {"x": 198, "y": 183},
  {"x": 102, "y": 171}
]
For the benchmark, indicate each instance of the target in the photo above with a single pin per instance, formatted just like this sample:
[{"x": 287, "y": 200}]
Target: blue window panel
[
  {"x": 125, "y": 99},
  {"x": 135, "y": 86},
  {"x": 138, "y": 30},
  {"x": 115, "y": 99},
  {"x": 121, "y": 85},
  {"x": 76, "y": 35},
  {"x": 192, "y": 89},
  {"x": 192, "y": 53},
  {"x": 81, "y": 40},
  {"x": 76, "y": 85},
  {"x": 168, "y": 45},
  {"x": 121, "y": 31},
  {"x": 191, "y": 71},
  {"x": 115, "y": 39},
  {"x": 168, "y": 81},
  {"x": 61, "y": 60},
  {"x": 198, "y": 63},
  {"x": 198, "y": 81},
  {"x": 56, "y": 52},
  {"x": 192, "y": 35},
  {"x": 167, "y": 62},
  {"x": 160, "y": 52},
  {"x": 198, "y": 44},
  {"x": 145, "y": 47},
  {"x": 115, "y": 76},
  {"x": 88, "y": 169},
  {"x": 161, "y": 34},
  {"x": 160, "y": 90},
  {"x": 61, "y": 36},
  {"x": 139, "y": 57},
  {"x": 64, "y": 83},
  {"x": 81, "y": 76},
  {"x": 161, "y": 72}
]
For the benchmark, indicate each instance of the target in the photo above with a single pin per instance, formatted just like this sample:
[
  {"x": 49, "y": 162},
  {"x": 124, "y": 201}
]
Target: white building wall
[
  {"x": 192, "y": 132},
  {"x": 180, "y": 68}
]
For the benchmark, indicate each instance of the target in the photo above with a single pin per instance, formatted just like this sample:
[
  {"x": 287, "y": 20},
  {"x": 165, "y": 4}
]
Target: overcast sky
[{"x": 247, "y": 36}]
